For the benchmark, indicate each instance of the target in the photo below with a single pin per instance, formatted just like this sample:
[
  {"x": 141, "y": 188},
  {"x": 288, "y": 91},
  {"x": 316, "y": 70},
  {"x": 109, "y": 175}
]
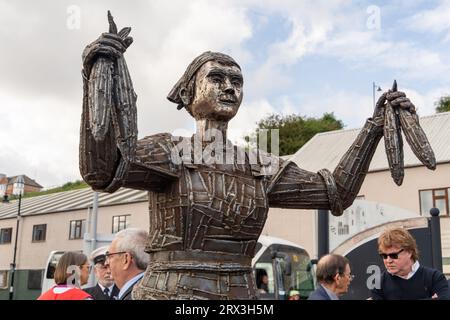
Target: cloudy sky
[{"x": 304, "y": 57}]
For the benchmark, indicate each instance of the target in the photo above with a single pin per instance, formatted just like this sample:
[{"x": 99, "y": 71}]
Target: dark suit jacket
[
  {"x": 127, "y": 294},
  {"x": 319, "y": 294},
  {"x": 97, "y": 293}
]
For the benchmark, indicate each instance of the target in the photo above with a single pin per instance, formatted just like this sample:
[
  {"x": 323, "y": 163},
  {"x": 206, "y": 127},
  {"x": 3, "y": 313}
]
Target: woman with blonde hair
[{"x": 72, "y": 271}]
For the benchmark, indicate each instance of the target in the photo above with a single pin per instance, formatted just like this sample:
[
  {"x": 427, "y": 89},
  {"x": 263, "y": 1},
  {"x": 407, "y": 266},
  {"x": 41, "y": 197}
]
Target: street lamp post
[
  {"x": 374, "y": 86},
  {"x": 19, "y": 189}
]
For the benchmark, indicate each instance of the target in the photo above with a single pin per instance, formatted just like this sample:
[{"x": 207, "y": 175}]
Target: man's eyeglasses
[
  {"x": 109, "y": 254},
  {"x": 393, "y": 255},
  {"x": 350, "y": 276}
]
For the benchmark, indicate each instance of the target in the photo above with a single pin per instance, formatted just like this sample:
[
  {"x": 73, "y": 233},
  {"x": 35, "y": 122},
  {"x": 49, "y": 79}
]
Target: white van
[
  {"x": 287, "y": 266},
  {"x": 48, "y": 280}
]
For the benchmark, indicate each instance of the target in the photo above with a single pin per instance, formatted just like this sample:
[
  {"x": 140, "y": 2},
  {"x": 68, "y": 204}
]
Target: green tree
[
  {"x": 295, "y": 130},
  {"x": 443, "y": 104}
]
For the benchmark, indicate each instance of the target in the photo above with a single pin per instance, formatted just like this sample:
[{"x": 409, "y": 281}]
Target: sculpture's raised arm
[
  {"x": 109, "y": 122},
  {"x": 297, "y": 188},
  {"x": 110, "y": 155}
]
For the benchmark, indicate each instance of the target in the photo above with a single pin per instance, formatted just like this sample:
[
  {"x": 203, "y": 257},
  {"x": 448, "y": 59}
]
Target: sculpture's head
[{"x": 210, "y": 88}]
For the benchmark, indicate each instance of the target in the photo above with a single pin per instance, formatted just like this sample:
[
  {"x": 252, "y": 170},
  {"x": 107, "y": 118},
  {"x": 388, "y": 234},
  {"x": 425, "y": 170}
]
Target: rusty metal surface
[
  {"x": 394, "y": 144},
  {"x": 400, "y": 115}
]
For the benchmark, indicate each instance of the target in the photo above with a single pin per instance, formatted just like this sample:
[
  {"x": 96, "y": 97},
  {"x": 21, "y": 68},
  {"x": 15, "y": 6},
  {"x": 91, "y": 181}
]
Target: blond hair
[{"x": 399, "y": 237}]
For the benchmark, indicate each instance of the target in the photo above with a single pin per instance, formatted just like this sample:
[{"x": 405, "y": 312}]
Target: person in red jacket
[{"x": 72, "y": 271}]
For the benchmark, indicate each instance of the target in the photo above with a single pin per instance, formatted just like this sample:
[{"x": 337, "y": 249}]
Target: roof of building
[
  {"x": 69, "y": 201},
  {"x": 325, "y": 149},
  {"x": 27, "y": 181}
]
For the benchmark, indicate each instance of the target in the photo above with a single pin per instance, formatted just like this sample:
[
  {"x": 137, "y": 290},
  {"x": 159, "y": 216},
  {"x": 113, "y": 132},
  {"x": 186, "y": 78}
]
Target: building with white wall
[{"x": 58, "y": 221}]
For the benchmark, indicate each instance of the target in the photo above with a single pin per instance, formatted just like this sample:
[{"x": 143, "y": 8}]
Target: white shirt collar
[
  {"x": 414, "y": 269},
  {"x": 129, "y": 283}
]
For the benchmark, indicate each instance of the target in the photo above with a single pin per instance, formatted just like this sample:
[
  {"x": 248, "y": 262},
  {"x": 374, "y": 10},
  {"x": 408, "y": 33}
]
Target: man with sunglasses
[
  {"x": 127, "y": 259},
  {"x": 405, "y": 278}
]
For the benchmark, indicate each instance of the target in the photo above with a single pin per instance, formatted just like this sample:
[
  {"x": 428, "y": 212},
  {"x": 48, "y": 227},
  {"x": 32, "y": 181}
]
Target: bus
[{"x": 286, "y": 266}]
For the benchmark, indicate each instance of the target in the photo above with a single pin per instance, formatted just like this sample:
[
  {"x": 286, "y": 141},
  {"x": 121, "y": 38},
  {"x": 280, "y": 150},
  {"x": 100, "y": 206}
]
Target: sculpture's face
[{"x": 218, "y": 92}]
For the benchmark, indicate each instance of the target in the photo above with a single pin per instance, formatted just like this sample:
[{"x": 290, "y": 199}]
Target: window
[
  {"x": 34, "y": 279},
  {"x": 50, "y": 273},
  {"x": 264, "y": 276},
  {"x": 434, "y": 198},
  {"x": 5, "y": 235},
  {"x": 39, "y": 232},
  {"x": 271, "y": 276},
  {"x": 76, "y": 230},
  {"x": 120, "y": 223}
]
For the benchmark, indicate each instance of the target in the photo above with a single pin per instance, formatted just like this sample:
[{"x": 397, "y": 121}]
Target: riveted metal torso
[{"x": 203, "y": 232}]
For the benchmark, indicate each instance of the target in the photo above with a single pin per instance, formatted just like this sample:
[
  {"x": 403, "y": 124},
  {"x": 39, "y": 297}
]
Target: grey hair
[{"x": 134, "y": 240}]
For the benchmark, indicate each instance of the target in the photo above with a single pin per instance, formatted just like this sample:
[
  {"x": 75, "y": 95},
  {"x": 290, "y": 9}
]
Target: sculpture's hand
[
  {"x": 107, "y": 45},
  {"x": 398, "y": 99},
  {"x": 111, "y": 45}
]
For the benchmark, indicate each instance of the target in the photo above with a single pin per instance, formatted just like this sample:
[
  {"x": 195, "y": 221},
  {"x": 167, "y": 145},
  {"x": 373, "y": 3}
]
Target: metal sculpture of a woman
[{"x": 205, "y": 217}]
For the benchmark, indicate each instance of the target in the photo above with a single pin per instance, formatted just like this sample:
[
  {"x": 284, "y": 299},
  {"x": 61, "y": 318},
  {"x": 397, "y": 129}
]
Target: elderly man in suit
[
  {"x": 334, "y": 277},
  {"x": 105, "y": 289},
  {"x": 127, "y": 260}
]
